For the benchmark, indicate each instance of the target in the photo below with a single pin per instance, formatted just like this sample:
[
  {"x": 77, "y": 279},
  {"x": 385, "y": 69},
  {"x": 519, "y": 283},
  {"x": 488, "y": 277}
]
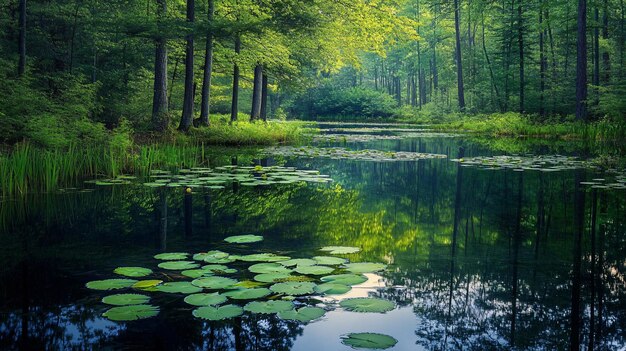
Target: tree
[
  {"x": 257, "y": 92},
  {"x": 21, "y": 66},
  {"x": 188, "y": 104},
  {"x": 459, "y": 60},
  {"x": 208, "y": 70},
  {"x": 234, "y": 108},
  {"x": 160, "y": 118},
  {"x": 581, "y": 63}
]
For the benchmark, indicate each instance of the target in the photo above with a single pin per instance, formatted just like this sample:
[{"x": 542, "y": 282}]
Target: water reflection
[{"x": 480, "y": 260}]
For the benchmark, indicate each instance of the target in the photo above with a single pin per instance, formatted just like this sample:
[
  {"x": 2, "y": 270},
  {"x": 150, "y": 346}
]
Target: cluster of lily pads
[
  {"x": 376, "y": 130},
  {"x": 220, "y": 286},
  {"x": 216, "y": 178},
  {"x": 549, "y": 163},
  {"x": 346, "y": 154},
  {"x": 375, "y": 137},
  {"x": 617, "y": 183}
]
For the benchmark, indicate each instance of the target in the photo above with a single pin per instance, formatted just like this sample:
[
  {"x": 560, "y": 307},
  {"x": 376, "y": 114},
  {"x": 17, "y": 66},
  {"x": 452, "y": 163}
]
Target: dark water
[{"x": 525, "y": 268}]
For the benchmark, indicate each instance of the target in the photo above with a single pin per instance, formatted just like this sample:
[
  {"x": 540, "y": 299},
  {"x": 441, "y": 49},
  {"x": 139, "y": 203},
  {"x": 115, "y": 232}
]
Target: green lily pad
[
  {"x": 218, "y": 269},
  {"x": 171, "y": 256},
  {"x": 178, "y": 265},
  {"x": 332, "y": 289},
  {"x": 340, "y": 250},
  {"x": 305, "y": 314},
  {"x": 205, "y": 299},
  {"x": 110, "y": 284},
  {"x": 146, "y": 284},
  {"x": 264, "y": 257},
  {"x": 218, "y": 313},
  {"x": 268, "y": 307},
  {"x": 367, "y": 304},
  {"x": 248, "y": 294},
  {"x": 178, "y": 287},
  {"x": 243, "y": 239},
  {"x": 214, "y": 282},
  {"x": 372, "y": 341},
  {"x": 329, "y": 260},
  {"x": 125, "y": 299},
  {"x": 365, "y": 267},
  {"x": 299, "y": 262},
  {"x": 131, "y": 313},
  {"x": 215, "y": 254},
  {"x": 314, "y": 270},
  {"x": 346, "y": 279},
  {"x": 293, "y": 288},
  {"x": 133, "y": 271},
  {"x": 268, "y": 268},
  {"x": 271, "y": 277},
  {"x": 196, "y": 273},
  {"x": 247, "y": 284}
]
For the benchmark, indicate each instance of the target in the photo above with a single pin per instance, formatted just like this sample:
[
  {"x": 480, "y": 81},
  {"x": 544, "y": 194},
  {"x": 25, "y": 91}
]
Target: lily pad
[
  {"x": 248, "y": 294},
  {"x": 268, "y": 307},
  {"x": 365, "y": 267},
  {"x": 372, "y": 341},
  {"x": 218, "y": 269},
  {"x": 264, "y": 257},
  {"x": 268, "y": 268},
  {"x": 171, "y": 256},
  {"x": 304, "y": 314},
  {"x": 131, "y": 313},
  {"x": 243, "y": 239},
  {"x": 332, "y": 289},
  {"x": 218, "y": 313},
  {"x": 299, "y": 262},
  {"x": 367, "y": 304},
  {"x": 133, "y": 271},
  {"x": 179, "y": 287},
  {"x": 346, "y": 279},
  {"x": 178, "y": 265},
  {"x": 214, "y": 282},
  {"x": 110, "y": 284},
  {"x": 314, "y": 270},
  {"x": 340, "y": 250},
  {"x": 196, "y": 273},
  {"x": 212, "y": 255},
  {"x": 146, "y": 284},
  {"x": 205, "y": 299},
  {"x": 126, "y": 299},
  {"x": 293, "y": 288},
  {"x": 271, "y": 277},
  {"x": 329, "y": 260}
]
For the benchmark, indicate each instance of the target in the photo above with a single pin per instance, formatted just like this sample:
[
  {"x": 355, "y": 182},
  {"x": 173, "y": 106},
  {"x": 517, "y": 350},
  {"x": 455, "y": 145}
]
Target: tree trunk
[
  {"x": 257, "y": 91},
  {"x": 208, "y": 70},
  {"x": 596, "y": 55},
  {"x": 581, "y": 63},
  {"x": 605, "y": 35},
  {"x": 520, "y": 41},
  {"x": 159, "y": 100},
  {"x": 264, "y": 98},
  {"x": 187, "y": 117},
  {"x": 459, "y": 61},
  {"x": 234, "y": 108},
  {"x": 542, "y": 63},
  {"x": 491, "y": 74},
  {"x": 21, "y": 66}
]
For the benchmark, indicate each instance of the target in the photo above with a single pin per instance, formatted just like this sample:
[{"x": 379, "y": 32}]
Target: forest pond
[{"x": 280, "y": 247}]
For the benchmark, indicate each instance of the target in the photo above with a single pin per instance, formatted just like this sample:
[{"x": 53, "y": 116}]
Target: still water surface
[{"x": 518, "y": 273}]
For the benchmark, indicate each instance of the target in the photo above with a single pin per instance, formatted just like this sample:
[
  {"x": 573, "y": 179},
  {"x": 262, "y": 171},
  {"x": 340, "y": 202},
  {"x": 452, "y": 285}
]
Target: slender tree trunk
[
  {"x": 174, "y": 74},
  {"x": 520, "y": 41},
  {"x": 21, "y": 65},
  {"x": 581, "y": 63},
  {"x": 257, "y": 91},
  {"x": 459, "y": 61},
  {"x": 234, "y": 109},
  {"x": 491, "y": 74},
  {"x": 208, "y": 71},
  {"x": 159, "y": 100},
  {"x": 605, "y": 35},
  {"x": 542, "y": 62},
  {"x": 187, "y": 117},
  {"x": 73, "y": 38},
  {"x": 264, "y": 93}
]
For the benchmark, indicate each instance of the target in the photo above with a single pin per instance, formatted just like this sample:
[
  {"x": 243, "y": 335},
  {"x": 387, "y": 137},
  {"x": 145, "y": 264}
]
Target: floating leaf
[
  {"x": 216, "y": 254},
  {"x": 293, "y": 288},
  {"x": 243, "y": 239},
  {"x": 110, "y": 284},
  {"x": 367, "y": 304},
  {"x": 179, "y": 287},
  {"x": 346, "y": 279},
  {"x": 314, "y": 270},
  {"x": 146, "y": 284},
  {"x": 332, "y": 289},
  {"x": 178, "y": 265},
  {"x": 268, "y": 307},
  {"x": 218, "y": 269},
  {"x": 268, "y": 268},
  {"x": 305, "y": 314},
  {"x": 218, "y": 313},
  {"x": 340, "y": 250},
  {"x": 214, "y": 282},
  {"x": 133, "y": 271},
  {"x": 248, "y": 294},
  {"x": 171, "y": 256},
  {"x": 247, "y": 284},
  {"x": 271, "y": 277},
  {"x": 196, "y": 273},
  {"x": 365, "y": 267},
  {"x": 126, "y": 299},
  {"x": 329, "y": 260},
  {"x": 369, "y": 341},
  {"x": 205, "y": 299},
  {"x": 131, "y": 313},
  {"x": 299, "y": 262},
  {"x": 264, "y": 257}
]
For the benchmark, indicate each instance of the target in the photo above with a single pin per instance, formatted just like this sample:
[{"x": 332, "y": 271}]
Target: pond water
[{"x": 483, "y": 254}]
